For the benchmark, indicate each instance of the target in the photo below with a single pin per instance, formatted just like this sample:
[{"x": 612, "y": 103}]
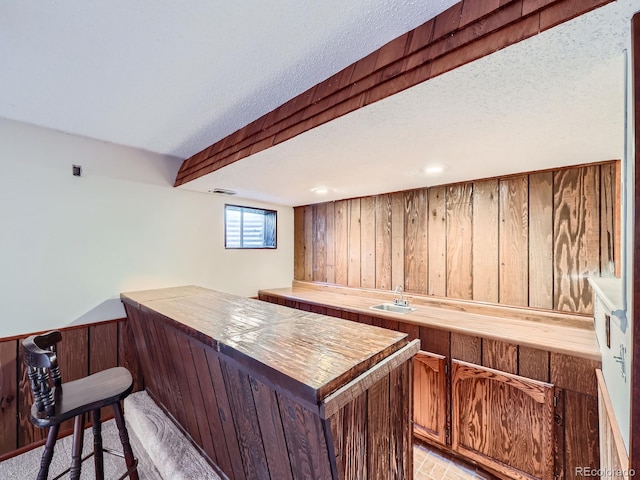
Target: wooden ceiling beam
[{"x": 467, "y": 31}]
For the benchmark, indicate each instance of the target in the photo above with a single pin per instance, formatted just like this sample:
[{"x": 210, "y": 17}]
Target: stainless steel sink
[{"x": 390, "y": 307}]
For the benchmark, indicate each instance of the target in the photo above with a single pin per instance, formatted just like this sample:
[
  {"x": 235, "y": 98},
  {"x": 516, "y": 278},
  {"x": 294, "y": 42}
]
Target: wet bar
[{"x": 269, "y": 392}]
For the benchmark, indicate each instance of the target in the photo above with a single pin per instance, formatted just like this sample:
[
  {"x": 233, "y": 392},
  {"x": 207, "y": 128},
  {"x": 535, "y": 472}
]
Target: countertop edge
[{"x": 590, "y": 354}]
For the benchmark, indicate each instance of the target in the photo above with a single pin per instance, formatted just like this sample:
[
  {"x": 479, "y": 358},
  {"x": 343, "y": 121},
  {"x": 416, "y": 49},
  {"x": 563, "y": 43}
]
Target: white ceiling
[
  {"x": 174, "y": 77},
  {"x": 553, "y": 100}
]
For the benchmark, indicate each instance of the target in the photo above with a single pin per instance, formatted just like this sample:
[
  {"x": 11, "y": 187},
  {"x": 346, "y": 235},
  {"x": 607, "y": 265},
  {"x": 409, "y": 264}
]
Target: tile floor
[{"x": 430, "y": 464}]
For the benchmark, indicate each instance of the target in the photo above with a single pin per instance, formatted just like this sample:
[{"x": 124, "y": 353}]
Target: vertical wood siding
[
  {"x": 84, "y": 350},
  {"x": 526, "y": 240}
]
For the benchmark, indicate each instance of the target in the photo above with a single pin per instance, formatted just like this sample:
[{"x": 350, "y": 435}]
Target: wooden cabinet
[
  {"x": 502, "y": 420},
  {"x": 430, "y": 397},
  {"x": 519, "y": 411}
]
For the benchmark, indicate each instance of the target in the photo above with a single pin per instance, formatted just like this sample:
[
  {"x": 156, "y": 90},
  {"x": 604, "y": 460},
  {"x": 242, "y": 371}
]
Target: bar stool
[{"x": 55, "y": 402}]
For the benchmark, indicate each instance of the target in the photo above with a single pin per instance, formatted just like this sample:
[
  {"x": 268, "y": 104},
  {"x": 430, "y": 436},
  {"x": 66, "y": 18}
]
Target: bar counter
[{"x": 269, "y": 392}]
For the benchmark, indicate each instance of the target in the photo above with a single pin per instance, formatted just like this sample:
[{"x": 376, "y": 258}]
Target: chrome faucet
[{"x": 400, "y": 301}]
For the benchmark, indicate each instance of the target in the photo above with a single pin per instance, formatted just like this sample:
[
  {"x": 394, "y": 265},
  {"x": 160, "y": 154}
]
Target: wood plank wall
[
  {"x": 525, "y": 240},
  {"x": 84, "y": 349}
]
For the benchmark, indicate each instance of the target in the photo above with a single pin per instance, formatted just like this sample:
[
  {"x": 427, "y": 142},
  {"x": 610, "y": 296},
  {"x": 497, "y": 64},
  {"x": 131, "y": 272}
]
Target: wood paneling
[
  {"x": 331, "y": 243},
  {"x": 435, "y": 341},
  {"x": 84, "y": 349},
  {"x": 613, "y": 453},
  {"x": 461, "y": 34},
  {"x": 541, "y": 240},
  {"x": 308, "y": 242},
  {"x": 397, "y": 240},
  {"x": 368, "y": 242},
  {"x": 320, "y": 243},
  {"x": 379, "y": 420},
  {"x": 415, "y": 244},
  {"x": 103, "y": 348},
  {"x": 299, "y": 243},
  {"x": 500, "y": 355},
  {"x": 8, "y": 396},
  {"x": 514, "y": 241},
  {"x": 437, "y": 249},
  {"x": 466, "y": 348},
  {"x": 485, "y": 241},
  {"x": 572, "y": 373},
  {"x": 383, "y": 220},
  {"x": 533, "y": 363},
  {"x": 354, "y": 236},
  {"x": 341, "y": 210},
  {"x": 491, "y": 240},
  {"x": 610, "y": 219},
  {"x": 460, "y": 241},
  {"x": 576, "y": 206},
  {"x": 251, "y": 426}
]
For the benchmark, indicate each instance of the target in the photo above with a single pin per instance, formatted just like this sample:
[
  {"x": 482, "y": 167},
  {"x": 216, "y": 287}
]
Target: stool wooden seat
[{"x": 55, "y": 402}]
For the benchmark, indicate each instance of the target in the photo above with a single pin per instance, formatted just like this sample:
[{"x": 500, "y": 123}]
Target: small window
[{"x": 246, "y": 227}]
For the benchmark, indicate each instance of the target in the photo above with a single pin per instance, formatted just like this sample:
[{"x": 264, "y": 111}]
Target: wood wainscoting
[
  {"x": 614, "y": 461},
  {"x": 524, "y": 240},
  {"x": 85, "y": 349}
]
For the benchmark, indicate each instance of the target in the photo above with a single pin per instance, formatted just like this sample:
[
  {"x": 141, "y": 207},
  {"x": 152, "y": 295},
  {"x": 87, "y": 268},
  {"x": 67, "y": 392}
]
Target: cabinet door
[
  {"x": 502, "y": 420},
  {"x": 429, "y": 397}
]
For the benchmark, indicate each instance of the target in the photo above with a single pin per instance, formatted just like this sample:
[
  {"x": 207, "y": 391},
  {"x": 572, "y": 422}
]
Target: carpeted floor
[
  {"x": 26, "y": 466},
  {"x": 165, "y": 453}
]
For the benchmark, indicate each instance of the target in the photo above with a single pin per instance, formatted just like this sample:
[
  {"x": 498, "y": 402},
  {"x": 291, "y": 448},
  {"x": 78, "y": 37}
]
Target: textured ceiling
[
  {"x": 555, "y": 99},
  {"x": 174, "y": 77}
]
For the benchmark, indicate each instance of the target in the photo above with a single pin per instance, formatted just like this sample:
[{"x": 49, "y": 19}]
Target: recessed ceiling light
[
  {"x": 320, "y": 190},
  {"x": 434, "y": 169}
]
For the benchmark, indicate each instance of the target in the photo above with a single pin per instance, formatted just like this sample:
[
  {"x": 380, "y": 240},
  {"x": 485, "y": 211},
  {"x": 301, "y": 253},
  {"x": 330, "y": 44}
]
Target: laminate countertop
[
  {"x": 310, "y": 353},
  {"x": 543, "y": 329}
]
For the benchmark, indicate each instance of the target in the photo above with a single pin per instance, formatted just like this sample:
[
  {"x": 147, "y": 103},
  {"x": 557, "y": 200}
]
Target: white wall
[
  {"x": 69, "y": 245},
  {"x": 619, "y": 386}
]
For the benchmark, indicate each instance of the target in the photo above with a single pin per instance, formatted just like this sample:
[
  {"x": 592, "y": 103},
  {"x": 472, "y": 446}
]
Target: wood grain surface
[
  {"x": 397, "y": 239},
  {"x": 383, "y": 255},
  {"x": 541, "y": 240},
  {"x": 581, "y": 423},
  {"x": 306, "y": 351},
  {"x": 88, "y": 349},
  {"x": 437, "y": 249},
  {"x": 577, "y": 240},
  {"x": 460, "y": 241},
  {"x": 503, "y": 421},
  {"x": 341, "y": 209},
  {"x": 484, "y": 241},
  {"x": 354, "y": 237},
  {"x": 563, "y": 333},
  {"x": 430, "y": 396},
  {"x": 298, "y": 243},
  {"x": 8, "y": 396},
  {"x": 250, "y": 422},
  {"x": 514, "y": 241},
  {"x": 331, "y": 243},
  {"x": 520, "y": 240},
  {"x": 319, "y": 243},
  {"x": 368, "y": 242},
  {"x": 415, "y": 244}
]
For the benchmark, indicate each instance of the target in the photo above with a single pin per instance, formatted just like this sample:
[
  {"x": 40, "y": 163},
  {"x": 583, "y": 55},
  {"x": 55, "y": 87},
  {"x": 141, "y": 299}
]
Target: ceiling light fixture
[
  {"x": 433, "y": 169},
  {"x": 320, "y": 190}
]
